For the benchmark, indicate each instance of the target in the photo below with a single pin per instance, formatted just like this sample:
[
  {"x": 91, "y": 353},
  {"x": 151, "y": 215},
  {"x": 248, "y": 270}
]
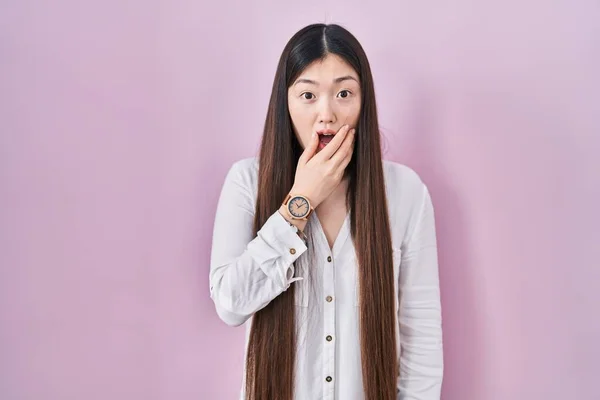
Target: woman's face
[{"x": 326, "y": 95}]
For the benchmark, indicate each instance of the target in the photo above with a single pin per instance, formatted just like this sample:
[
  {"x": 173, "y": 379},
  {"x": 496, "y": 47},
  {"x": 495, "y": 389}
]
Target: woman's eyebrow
[{"x": 336, "y": 80}]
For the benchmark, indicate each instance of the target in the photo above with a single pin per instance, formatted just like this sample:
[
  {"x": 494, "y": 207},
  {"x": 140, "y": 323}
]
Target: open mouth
[
  {"x": 325, "y": 137},
  {"x": 324, "y": 140}
]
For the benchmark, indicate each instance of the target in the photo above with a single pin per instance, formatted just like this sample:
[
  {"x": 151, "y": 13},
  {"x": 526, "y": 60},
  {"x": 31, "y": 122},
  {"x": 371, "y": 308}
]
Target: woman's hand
[{"x": 317, "y": 175}]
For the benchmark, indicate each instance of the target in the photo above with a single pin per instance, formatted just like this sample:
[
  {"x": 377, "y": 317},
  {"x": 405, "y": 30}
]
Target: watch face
[{"x": 298, "y": 206}]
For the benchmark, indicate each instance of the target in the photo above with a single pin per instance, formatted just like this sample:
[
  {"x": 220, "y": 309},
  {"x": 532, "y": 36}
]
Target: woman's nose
[{"x": 326, "y": 113}]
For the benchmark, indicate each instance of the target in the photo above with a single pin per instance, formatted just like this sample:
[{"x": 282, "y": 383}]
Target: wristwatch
[{"x": 298, "y": 206}]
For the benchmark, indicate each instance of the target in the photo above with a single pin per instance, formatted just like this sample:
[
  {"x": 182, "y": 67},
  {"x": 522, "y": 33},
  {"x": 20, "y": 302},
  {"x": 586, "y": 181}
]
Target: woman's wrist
[{"x": 300, "y": 224}]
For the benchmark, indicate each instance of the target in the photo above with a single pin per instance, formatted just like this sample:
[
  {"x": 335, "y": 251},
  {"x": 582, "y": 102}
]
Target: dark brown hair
[{"x": 272, "y": 344}]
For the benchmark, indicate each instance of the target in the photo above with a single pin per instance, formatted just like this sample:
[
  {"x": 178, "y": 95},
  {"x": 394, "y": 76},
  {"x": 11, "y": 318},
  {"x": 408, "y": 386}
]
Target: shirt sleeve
[
  {"x": 420, "y": 316},
  {"x": 247, "y": 272}
]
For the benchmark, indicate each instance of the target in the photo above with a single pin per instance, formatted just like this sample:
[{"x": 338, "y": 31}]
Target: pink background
[{"x": 119, "y": 121}]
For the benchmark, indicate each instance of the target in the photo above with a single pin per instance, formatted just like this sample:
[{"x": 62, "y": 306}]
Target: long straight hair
[{"x": 271, "y": 348}]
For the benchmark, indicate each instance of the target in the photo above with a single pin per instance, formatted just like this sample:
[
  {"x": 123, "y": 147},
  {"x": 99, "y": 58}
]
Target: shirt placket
[{"x": 329, "y": 328}]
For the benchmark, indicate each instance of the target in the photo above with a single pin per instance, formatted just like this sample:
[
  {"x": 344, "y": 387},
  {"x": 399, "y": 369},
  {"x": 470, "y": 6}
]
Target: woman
[{"x": 326, "y": 250}]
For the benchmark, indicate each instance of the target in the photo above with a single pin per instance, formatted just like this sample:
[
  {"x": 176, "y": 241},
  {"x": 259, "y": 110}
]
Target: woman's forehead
[{"x": 331, "y": 71}]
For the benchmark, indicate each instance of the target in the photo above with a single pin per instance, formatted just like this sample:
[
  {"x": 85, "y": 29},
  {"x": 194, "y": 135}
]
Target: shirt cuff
[{"x": 279, "y": 240}]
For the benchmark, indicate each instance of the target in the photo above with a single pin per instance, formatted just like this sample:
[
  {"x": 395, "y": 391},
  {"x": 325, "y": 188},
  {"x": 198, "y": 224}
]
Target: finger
[
  {"x": 345, "y": 161},
  {"x": 310, "y": 149},
  {"x": 346, "y": 149},
  {"x": 331, "y": 148}
]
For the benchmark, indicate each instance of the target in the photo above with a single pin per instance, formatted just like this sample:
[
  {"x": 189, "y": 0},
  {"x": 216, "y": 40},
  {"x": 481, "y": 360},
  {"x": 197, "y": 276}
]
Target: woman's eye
[{"x": 310, "y": 96}]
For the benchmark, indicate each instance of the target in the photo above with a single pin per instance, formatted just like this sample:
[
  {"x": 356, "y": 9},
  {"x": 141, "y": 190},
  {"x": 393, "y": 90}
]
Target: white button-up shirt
[{"x": 248, "y": 271}]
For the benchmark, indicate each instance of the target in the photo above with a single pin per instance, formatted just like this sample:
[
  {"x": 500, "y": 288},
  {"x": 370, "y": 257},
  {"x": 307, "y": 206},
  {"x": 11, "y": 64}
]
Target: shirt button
[
  {"x": 292, "y": 251},
  {"x": 329, "y": 338},
  {"x": 329, "y": 298},
  {"x": 329, "y": 259},
  {"x": 328, "y": 379}
]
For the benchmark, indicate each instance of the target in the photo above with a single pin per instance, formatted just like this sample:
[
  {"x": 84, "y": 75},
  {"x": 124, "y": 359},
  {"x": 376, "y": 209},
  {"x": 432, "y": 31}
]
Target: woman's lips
[{"x": 326, "y": 131}]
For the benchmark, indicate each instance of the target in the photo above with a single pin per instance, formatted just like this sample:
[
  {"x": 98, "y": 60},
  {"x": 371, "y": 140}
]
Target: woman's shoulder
[
  {"x": 246, "y": 165},
  {"x": 244, "y": 172},
  {"x": 400, "y": 175},
  {"x": 406, "y": 191}
]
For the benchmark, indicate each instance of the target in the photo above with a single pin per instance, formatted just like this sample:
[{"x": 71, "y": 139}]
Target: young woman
[{"x": 326, "y": 250}]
